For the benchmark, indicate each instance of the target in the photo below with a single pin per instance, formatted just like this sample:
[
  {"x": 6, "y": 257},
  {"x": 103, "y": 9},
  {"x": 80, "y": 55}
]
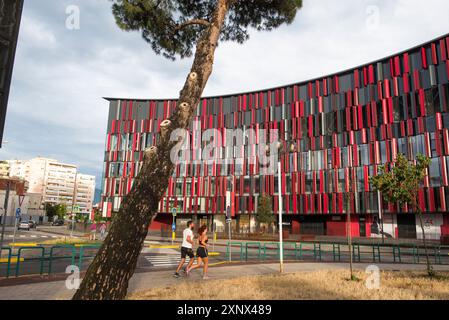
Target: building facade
[
  {"x": 57, "y": 183},
  {"x": 84, "y": 192},
  {"x": 19, "y": 197},
  {"x": 343, "y": 126}
]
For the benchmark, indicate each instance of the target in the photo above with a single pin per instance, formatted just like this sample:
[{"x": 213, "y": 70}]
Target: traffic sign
[
  {"x": 18, "y": 212},
  {"x": 174, "y": 212},
  {"x": 173, "y": 227},
  {"x": 21, "y": 198},
  {"x": 228, "y": 221},
  {"x": 76, "y": 209}
]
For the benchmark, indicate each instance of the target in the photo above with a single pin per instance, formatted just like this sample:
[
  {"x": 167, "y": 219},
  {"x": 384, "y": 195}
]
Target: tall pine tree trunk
[{"x": 109, "y": 274}]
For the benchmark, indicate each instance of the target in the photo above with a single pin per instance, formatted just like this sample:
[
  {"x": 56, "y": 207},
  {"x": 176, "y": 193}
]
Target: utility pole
[
  {"x": 281, "y": 243},
  {"x": 348, "y": 219}
]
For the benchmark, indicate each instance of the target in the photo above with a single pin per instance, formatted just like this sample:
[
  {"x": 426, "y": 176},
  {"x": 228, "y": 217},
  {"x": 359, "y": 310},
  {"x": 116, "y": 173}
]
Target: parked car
[
  {"x": 58, "y": 222},
  {"x": 24, "y": 225},
  {"x": 33, "y": 224}
]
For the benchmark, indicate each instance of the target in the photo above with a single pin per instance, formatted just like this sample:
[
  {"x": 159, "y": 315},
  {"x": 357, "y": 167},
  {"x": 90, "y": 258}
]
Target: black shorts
[
  {"x": 201, "y": 252},
  {"x": 187, "y": 252}
]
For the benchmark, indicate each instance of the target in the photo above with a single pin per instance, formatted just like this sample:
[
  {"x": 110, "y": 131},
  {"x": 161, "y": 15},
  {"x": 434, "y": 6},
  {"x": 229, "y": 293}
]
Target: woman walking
[{"x": 201, "y": 252}]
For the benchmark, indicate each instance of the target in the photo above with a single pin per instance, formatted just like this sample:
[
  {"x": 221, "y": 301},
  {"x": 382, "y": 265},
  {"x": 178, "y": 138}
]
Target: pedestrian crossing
[
  {"x": 22, "y": 236},
  {"x": 159, "y": 261}
]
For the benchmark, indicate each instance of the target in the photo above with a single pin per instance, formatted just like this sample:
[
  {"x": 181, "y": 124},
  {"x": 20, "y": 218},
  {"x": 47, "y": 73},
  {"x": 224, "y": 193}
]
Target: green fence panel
[
  {"x": 376, "y": 252},
  {"x": 289, "y": 249},
  {"x": 81, "y": 255},
  {"x": 42, "y": 258},
  {"x": 408, "y": 249},
  {"x": 299, "y": 250},
  {"x": 415, "y": 254},
  {"x": 317, "y": 250},
  {"x": 270, "y": 244},
  {"x": 304, "y": 246},
  {"x": 229, "y": 249},
  {"x": 8, "y": 264},
  {"x": 258, "y": 246},
  {"x": 437, "y": 252},
  {"x": 73, "y": 255},
  {"x": 336, "y": 251},
  {"x": 397, "y": 253},
  {"x": 356, "y": 252},
  {"x": 297, "y": 246}
]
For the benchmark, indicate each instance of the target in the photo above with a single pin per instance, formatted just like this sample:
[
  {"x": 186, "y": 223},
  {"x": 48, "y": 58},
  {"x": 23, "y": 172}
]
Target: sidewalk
[{"x": 144, "y": 281}]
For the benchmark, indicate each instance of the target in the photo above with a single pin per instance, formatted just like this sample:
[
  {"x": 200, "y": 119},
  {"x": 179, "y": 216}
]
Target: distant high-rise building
[
  {"x": 4, "y": 169},
  {"x": 58, "y": 183},
  {"x": 84, "y": 192}
]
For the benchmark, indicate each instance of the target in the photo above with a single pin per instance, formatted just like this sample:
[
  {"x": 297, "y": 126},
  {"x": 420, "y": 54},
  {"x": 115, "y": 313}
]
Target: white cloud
[{"x": 36, "y": 33}]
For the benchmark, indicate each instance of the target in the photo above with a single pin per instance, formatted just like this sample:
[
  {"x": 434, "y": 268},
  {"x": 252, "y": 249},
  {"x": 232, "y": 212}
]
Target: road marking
[
  {"x": 22, "y": 236},
  {"x": 163, "y": 246},
  {"x": 44, "y": 237},
  {"x": 13, "y": 260},
  {"x": 54, "y": 237},
  {"x": 33, "y": 236},
  {"x": 10, "y": 236},
  {"x": 163, "y": 261}
]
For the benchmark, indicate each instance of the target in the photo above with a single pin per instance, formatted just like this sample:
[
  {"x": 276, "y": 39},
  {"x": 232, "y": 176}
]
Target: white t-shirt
[{"x": 187, "y": 232}]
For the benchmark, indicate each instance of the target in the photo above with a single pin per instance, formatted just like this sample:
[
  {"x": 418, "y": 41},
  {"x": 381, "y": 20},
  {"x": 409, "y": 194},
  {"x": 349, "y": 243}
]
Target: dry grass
[
  {"x": 68, "y": 241},
  {"x": 322, "y": 285}
]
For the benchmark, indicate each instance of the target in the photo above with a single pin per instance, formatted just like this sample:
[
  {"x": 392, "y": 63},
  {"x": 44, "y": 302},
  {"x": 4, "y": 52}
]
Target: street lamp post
[
  {"x": 281, "y": 151},
  {"x": 281, "y": 243}
]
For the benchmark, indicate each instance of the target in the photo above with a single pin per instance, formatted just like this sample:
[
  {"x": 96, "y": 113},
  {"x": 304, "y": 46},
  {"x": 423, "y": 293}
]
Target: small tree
[
  {"x": 265, "y": 213},
  {"x": 58, "y": 210},
  {"x": 61, "y": 211},
  {"x": 401, "y": 185},
  {"x": 50, "y": 210},
  {"x": 98, "y": 218}
]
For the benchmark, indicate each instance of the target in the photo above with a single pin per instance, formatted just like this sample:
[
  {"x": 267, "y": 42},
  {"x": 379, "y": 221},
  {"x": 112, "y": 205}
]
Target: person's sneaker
[
  {"x": 206, "y": 278},
  {"x": 176, "y": 275},
  {"x": 184, "y": 271}
]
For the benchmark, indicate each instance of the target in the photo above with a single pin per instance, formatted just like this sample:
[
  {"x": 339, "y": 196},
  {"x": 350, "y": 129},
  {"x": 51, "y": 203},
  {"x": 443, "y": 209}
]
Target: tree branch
[{"x": 201, "y": 22}]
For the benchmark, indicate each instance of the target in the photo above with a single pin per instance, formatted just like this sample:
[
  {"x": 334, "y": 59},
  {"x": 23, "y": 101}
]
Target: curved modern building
[{"x": 343, "y": 127}]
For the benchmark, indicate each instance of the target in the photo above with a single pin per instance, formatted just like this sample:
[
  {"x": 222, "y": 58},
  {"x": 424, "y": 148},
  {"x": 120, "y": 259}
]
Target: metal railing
[
  {"x": 335, "y": 251},
  {"x": 17, "y": 257}
]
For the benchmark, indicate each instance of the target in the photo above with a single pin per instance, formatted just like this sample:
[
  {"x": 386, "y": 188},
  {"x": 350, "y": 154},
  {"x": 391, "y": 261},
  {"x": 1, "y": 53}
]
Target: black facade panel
[{"x": 10, "y": 16}]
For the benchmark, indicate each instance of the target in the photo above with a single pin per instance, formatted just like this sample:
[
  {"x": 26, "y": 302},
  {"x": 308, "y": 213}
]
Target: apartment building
[
  {"x": 56, "y": 182},
  {"x": 84, "y": 192}
]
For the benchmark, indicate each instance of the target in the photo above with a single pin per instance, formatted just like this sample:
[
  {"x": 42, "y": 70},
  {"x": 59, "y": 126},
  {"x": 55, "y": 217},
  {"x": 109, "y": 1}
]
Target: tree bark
[
  {"x": 108, "y": 276},
  {"x": 429, "y": 266}
]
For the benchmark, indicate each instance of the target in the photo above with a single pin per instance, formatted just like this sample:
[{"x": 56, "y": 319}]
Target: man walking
[{"x": 186, "y": 247}]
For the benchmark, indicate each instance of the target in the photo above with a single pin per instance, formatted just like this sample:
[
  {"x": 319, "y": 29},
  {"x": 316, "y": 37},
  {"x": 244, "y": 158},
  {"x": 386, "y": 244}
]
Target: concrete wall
[{"x": 432, "y": 226}]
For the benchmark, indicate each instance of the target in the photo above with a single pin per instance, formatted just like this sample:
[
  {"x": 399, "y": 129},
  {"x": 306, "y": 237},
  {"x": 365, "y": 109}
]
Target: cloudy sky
[{"x": 61, "y": 74}]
